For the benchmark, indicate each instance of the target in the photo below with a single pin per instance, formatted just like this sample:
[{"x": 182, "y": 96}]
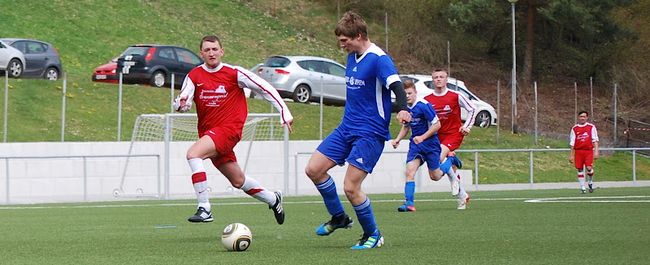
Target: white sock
[
  {"x": 200, "y": 183},
  {"x": 253, "y": 188},
  {"x": 581, "y": 179},
  {"x": 451, "y": 174}
]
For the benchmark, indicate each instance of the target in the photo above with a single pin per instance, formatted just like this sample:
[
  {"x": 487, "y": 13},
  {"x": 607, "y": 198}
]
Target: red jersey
[
  {"x": 447, "y": 106},
  {"x": 583, "y": 136},
  {"x": 220, "y": 99}
]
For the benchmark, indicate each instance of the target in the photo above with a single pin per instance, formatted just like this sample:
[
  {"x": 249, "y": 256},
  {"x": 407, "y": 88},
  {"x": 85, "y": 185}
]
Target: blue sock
[
  {"x": 331, "y": 199},
  {"x": 366, "y": 217},
  {"x": 445, "y": 166},
  {"x": 409, "y": 192}
]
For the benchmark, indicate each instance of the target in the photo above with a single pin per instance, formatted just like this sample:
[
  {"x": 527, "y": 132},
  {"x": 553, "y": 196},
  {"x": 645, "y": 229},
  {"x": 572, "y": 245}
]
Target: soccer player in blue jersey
[
  {"x": 359, "y": 139},
  {"x": 424, "y": 145}
]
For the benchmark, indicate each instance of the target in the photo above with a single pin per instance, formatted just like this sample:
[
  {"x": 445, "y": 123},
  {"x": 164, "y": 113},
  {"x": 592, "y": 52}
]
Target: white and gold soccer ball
[{"x": 236, "y": 237}]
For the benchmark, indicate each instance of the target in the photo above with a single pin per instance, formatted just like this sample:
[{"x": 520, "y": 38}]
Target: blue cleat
[
  {"x": 343, "y": 221},
  {"x": 456, "y": 161},
  {"x": 406, "y": 207},
  {"x": 376, "y": 240}
]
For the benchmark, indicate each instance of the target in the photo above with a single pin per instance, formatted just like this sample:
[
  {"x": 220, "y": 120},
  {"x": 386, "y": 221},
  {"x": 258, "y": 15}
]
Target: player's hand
[
  {"x": 403, "y": 117},
  {"x": 571, "y": 159},
  {"x": 464, "y": 130},
  {"x": 181, "y": 104},
  {"x": 596, "y": 154},
  {"x": 395, "y": 143},
  {"x": 418, "y": 139},
  {"x": 289, "y": 124}
]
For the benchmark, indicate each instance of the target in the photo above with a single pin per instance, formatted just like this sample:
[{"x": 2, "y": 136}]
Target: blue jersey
[
  {"x": 368, "y": 104},
  {"x": 423, "y": 116}
]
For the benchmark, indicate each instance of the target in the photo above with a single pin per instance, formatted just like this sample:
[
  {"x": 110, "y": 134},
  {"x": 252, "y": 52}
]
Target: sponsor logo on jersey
[
  {"x": 350, "y": 80},
  {"x": 213, "y": 97}
]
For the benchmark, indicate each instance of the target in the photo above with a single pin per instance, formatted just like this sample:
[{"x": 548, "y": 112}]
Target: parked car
[
  {"x": 41, "y": 58},
  {"x": 302, "y": 78},
  {"x": 485, "y": 113},
  {"x": 154, "y": 64},
  {"x": 11, "y": 60},
  {"x": 106, "y": 72}
]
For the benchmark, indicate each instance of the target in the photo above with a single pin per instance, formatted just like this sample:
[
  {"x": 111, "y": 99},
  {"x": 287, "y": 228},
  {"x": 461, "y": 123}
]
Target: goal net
[{"x": 171, "y": 134}]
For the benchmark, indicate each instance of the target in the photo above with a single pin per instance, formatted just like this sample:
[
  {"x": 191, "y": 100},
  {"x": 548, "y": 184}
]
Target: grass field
[{"x": 610, "y": 226}]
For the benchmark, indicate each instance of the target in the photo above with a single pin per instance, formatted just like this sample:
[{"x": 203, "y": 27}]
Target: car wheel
[
  {"x": 158, "y": 79},
  {"x": 483, "y": 119},
  {"x": 52, "y": 74},
  {"x": 15, "y": 68},
  {"x": 301, "y": 94}
]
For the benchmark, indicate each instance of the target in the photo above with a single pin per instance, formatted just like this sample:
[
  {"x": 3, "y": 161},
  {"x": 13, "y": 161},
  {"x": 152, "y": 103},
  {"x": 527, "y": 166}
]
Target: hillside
[{"x": 89, "y": 33}]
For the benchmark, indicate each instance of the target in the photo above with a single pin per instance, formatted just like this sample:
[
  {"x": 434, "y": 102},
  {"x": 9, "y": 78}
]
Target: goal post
[{"x": 167, "y": 130}]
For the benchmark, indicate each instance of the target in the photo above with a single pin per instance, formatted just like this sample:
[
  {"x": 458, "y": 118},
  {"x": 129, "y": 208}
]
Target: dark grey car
[{"x": 41, "y": 58}]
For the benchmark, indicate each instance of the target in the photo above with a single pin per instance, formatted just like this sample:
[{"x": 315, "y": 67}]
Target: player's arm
[
  {"x": 403, "y": 116},
  {"x": 247, "y": 79},
  {"x": 183, "y": 102},
  {"x": 402, "y": 133},
  {"x": 471, "y": 113},
  {"x": 430, "y": 132},
  {"x": 594, "y": 139},
  {"x": 572, "y": 141}
]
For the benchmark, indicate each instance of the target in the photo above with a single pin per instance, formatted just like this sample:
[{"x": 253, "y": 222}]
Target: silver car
[
  {"x": 11, "y": 60},
  {"x": 302, "y": 78},
  {"x": 485, "y": 113}
]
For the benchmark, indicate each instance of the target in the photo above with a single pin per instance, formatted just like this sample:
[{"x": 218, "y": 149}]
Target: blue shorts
[
  {"x": 362, "y": 152},
  {"x": 430, "y": 155}
]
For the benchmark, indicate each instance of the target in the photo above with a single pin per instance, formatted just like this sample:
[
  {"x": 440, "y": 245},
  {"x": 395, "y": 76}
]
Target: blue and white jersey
[
  {"x": 368, "y": 105},
  {"x": 423, "y": 115}
]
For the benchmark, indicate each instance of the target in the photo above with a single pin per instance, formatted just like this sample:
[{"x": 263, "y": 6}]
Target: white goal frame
[{"x": 168, "y": 128}]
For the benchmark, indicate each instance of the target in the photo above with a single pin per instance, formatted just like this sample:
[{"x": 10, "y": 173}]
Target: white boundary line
[{"x": 602, "y": 199}]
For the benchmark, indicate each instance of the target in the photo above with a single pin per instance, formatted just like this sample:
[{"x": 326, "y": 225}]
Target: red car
[{"x": 106, "y": 73}]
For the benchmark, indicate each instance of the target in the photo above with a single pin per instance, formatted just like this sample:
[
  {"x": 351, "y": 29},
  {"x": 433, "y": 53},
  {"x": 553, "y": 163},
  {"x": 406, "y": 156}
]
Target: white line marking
[
  {"x": 582, "y": 199},
  {"x": 600, "y": 199}
]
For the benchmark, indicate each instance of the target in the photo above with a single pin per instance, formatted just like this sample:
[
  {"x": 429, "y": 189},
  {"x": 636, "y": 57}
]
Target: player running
[
  {"x": 359, "y": 139},
  {"x": 584, "y": 149},
  {"x": 447, "y": 104},
  {"x": 424, "y": 145},
  {"x": 217, "y": 90}
]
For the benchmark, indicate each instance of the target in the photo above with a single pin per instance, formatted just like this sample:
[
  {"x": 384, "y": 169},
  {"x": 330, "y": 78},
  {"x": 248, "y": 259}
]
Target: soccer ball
[{"x": 236, "y": 237}]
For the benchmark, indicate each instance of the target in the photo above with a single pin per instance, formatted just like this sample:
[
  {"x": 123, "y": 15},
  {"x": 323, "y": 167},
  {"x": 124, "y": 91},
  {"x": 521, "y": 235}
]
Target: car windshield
[
  {"x": 136, "y": 51},
  {"x": 277, "y": 62}
]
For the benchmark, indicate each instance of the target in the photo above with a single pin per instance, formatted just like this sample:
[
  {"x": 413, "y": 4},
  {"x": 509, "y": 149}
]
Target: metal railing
[
  {"x": 476, "y": 157},
  {"x": 84, "y": 159}
]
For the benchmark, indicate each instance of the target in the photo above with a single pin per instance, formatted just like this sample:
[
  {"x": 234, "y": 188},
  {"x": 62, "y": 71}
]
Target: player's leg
[
  {"x": 362, "y": 159},
  {"x": 201, "y": 149},
  {"x": 230, "y": 168},
  {"x": 579, "y": 164},
  {"x": 330, "y": 152},
  {"x": 446, "y": 164},
  {"x": 589, "y": 164},
  {"x": 409, "y": 186}
]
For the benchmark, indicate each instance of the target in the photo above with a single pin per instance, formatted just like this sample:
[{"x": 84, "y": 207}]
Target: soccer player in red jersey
[
  {"x": 217, "y": 90},
  {"x": 584, "y": 149},
  {"x": 447, "y": 104}
]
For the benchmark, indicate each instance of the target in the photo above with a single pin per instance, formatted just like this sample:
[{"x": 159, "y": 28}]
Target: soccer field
[{"x": 610, "y": 226}]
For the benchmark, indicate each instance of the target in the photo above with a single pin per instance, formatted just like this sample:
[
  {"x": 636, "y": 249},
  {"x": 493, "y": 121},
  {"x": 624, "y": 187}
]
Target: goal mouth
[{"x": 164, "y": 129}]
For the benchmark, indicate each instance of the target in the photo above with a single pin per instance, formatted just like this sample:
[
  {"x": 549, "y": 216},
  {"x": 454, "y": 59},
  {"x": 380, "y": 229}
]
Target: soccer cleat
[
  {"x": 375, "y": 240},
  {"x": 201, "y": 216},
  {"x": 462, "y": 202},
  {"x": 406, "y": 208},
  {"x": 455, "y": 160},
  {"x": 583, "y": 191},
  {"x": 591, "y": 188},
  {"x": 278, "y": 211},
  {"x": 327, "y": 228}
]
